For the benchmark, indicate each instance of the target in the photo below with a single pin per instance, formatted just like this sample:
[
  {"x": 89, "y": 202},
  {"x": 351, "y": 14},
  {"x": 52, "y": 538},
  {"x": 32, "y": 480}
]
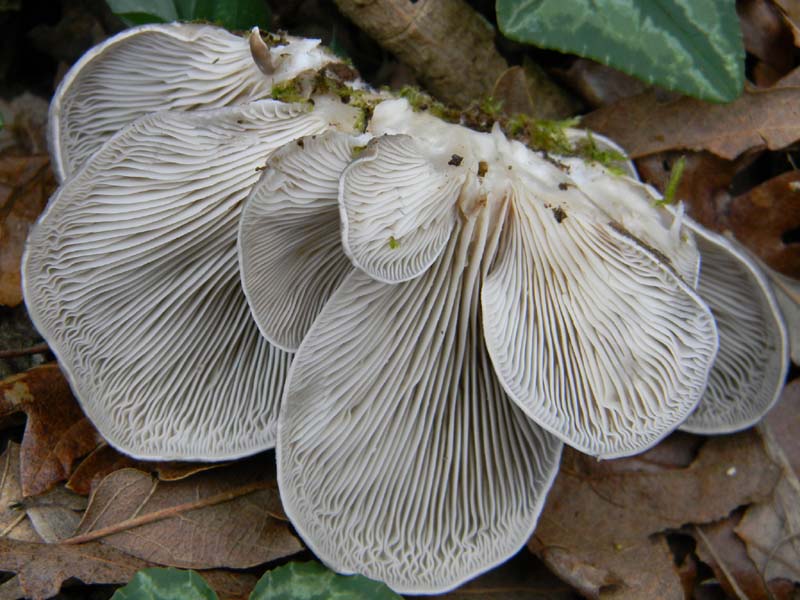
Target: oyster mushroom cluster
[{"x": 415, "y": 314}]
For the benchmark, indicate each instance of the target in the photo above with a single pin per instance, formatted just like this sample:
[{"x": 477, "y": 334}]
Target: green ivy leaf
[
  {"x": 138, "y": 12},
  {"x": 232, "y": 14},
  {"x": 691, "y": 46},
  {"x": 312, "y": 581},
  {"x": 165, "y": 584}
]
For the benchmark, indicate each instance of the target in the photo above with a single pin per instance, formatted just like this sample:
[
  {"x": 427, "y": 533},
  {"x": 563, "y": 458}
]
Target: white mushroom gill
[{"x": 145, "y": 69}]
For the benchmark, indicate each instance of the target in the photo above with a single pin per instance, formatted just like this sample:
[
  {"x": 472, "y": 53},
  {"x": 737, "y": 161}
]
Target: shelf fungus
[{"x": 459, "y": 305}]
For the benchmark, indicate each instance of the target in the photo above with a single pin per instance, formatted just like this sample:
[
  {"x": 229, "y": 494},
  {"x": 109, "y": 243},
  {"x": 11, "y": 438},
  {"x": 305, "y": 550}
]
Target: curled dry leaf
[
  {"x": 597, "y": 528},
  {"x": 229, "y": 517},
  {"x": 791, "y": 12},
  {"x": 645, "y": 124},
  {"x": 771, "y": 530},
  {"x": 56, "y": 434},
  {"x": 26, "y": 182}
]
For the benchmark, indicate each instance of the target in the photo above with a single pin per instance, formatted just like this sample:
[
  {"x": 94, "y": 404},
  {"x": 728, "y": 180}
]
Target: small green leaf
[
  {"x": 232, "y": 14},
  {"x": 165, "y": 584},
  {"x": 691, "y": 46},
  {"x": 674, "y": 181},
  {"x": 138, "y": 12},
  {"x": 312, "y": 581},
  {"x": 236, "y": 14}
]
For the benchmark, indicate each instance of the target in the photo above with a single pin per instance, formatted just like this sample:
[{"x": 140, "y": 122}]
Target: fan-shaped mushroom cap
[
  {"x": 399, "y": 454},
  {"x": 131, "y": 275},
  {"x": 174, "y": 66},
  {"x": 290, "y": 254},
  {"x": 398, "y": 203},
  {"x": 750, "y": 368}
]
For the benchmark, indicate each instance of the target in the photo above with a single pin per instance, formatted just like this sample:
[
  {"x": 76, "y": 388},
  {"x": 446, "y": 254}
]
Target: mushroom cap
[
  {"x": 131, "y": 275},
  {"x": 749, "y": 371},
  {"x": 385, "y": 194},
  {"x": 290, "y": 255},
  {"x": 400, "y": 456},
  {"x": 174, "y": 66}
]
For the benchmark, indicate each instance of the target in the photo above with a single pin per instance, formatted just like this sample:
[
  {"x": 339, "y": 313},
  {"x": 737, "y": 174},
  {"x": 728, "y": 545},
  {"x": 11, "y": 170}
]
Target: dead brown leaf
[
  {"x": 56, "y": 433},
  {"x": 645, "y": 124},
  {"x": 230, "y": 585},
  {"x": 229, "y": 517},
  {"x": 703, "y": 187},
  {"x": 104, "y": 460},
  {"x": 720, "y": 548},
  {"x": 763, "y": 216},
  {"x": 48, "y": 517},
  {"x": 14, "y": 523},
  {"x": 600, "y": 85},
  {"x": 771, "y": 530},
  {"x": 768, "y": 37},
  {"x": 597, "y": 528},
  {"x": 528, "y": 90},
  {"x": 791, "y": 12},
  {"x": 522, "y": 577},
  {"x": 26, "y": 183},
  {"x": 43, "y": 568}
]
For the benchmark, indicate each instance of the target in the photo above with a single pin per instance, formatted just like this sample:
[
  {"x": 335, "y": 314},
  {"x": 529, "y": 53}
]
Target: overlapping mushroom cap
[
  {"x": 459, "y": 304},
  {"x": 131, "y": 274}
]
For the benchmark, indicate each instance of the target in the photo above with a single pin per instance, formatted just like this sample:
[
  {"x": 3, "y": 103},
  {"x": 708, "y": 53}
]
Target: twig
[
  {"x": 166, "y": 513},
  {"x": 37, "y": 349}
]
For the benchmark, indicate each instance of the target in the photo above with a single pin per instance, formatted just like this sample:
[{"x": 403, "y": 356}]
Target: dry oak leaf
[
  {"x": 43, "y": 568},
  {"x": 645, "y": 124},
  {"x": 597, "y": 527},
  {"x": 771, "y": 529},
  {"x": 26, "y": 182},
  {"x": 56, "y": 433},
  {"x": 227, "y": 517}
]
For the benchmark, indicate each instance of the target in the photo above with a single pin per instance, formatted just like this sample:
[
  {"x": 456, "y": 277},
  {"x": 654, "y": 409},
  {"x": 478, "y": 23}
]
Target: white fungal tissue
[{"x": 415, "y": 314}]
